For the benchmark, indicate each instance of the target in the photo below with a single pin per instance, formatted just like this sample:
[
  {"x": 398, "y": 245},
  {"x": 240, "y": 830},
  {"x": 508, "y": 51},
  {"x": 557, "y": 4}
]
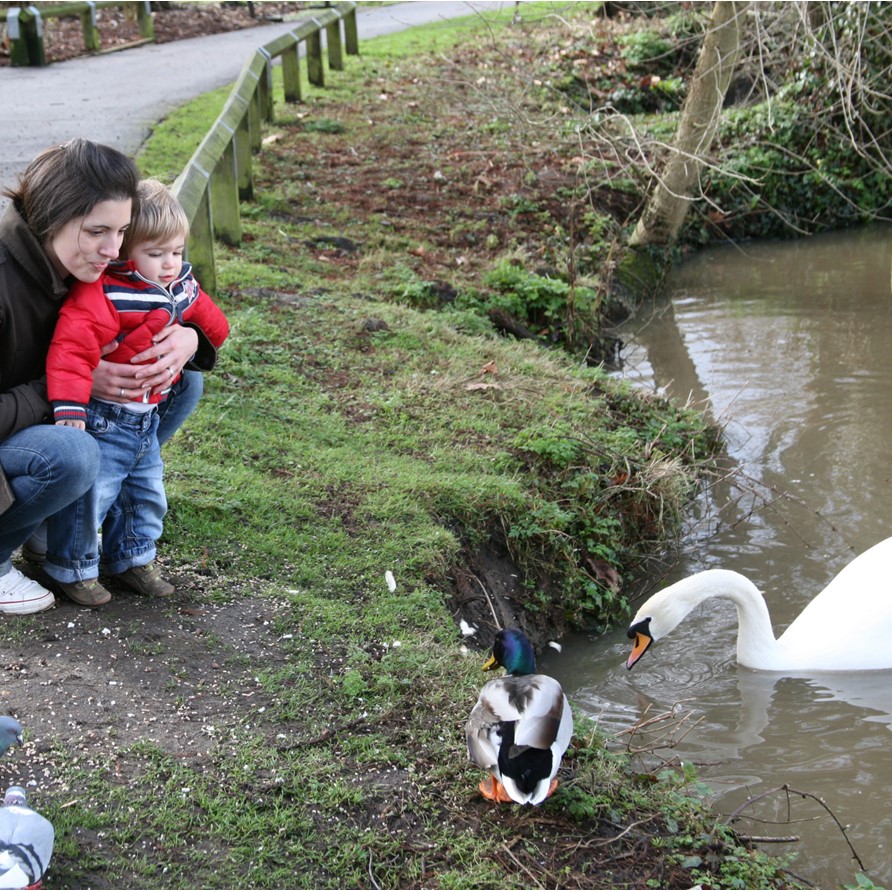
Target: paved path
[{"x": 117, "y": 98}]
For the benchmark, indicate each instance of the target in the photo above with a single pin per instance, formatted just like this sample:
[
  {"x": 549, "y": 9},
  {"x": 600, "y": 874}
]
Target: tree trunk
[{"x": 668, "y": 203}]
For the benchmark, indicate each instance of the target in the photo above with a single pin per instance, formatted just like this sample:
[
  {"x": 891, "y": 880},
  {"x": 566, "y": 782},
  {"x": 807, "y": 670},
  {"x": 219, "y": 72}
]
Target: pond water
[{"x": 789, "y": 347}]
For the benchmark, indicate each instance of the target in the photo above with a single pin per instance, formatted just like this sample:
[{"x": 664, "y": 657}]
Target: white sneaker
[{"x": 18, "y": 594}]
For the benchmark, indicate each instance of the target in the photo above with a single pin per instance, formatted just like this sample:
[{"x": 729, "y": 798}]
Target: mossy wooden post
[
  {"x": 335, "y": 50},
  {"x": 24, "y": 28},
  {"x": 191, "y": 187},
  {"x": 291, "y": 74},
  {"x": 225, "y": 197},
  {"x": 236, "y": 115},
  {"x": 315, "y": 68},
  {"x": 18, "y": 46},
  {"x": 90, "y": 31},
  {"x": 265, "y": 86},
  {"x": 287, "y": 47},
  {"x": 243, "y": 113},
  {"x": 243, "y": 153},
  {"x": 254, "y": 121},
  {"x": 144, "y": 19},
  {"x": 215, "y": 158},
  {"x": 254, "y": 87},
  {"x": 351, "y": 33}
]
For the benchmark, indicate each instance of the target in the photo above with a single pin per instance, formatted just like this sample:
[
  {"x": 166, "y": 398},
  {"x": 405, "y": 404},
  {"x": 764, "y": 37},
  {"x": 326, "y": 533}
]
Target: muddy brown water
[{"x": 789, "y": 346}]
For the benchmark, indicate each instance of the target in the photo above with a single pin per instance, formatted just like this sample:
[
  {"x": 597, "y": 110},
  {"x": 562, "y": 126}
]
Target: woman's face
[{"x": 84, "y": 246}]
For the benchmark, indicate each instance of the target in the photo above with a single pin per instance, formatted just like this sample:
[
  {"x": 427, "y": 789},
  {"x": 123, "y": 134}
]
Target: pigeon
[
  {"x": 10, "y": 733},
  {"x": 26, "y": 842}
]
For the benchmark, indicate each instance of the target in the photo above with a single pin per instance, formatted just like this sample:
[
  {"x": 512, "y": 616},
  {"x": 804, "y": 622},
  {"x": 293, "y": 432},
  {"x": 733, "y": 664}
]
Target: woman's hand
[{"x": 119, "y": 382}]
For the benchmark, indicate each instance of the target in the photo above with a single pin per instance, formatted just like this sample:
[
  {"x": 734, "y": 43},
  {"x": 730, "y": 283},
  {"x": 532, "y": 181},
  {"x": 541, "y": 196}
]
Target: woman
[{"x": 66, "y": 221}]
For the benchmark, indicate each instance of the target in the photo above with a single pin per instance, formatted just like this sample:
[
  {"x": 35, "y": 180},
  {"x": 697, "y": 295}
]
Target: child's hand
[{"x": 78, "y": 425}]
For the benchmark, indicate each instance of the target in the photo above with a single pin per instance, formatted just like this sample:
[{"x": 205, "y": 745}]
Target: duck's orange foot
[
  {"x": 493, "y": 790},
  {"x": 552, "y": 788}
]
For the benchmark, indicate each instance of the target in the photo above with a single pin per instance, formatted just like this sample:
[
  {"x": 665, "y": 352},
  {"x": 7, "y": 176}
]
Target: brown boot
[
  {"x": 146, "y": 580},
  {"x": 87, "y": 592}
]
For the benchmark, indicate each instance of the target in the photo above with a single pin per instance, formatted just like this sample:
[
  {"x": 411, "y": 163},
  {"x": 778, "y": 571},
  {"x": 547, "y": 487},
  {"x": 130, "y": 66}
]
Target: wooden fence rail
[
  {"x": 24, "y": 26},
  {"x": 219, "y": 175}
]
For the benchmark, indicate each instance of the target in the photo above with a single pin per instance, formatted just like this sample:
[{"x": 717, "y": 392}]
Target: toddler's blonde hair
[{"x": 160, "y": 217}]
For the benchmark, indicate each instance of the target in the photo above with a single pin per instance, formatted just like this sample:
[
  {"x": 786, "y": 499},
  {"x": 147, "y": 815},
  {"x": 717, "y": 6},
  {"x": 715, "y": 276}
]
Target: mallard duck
[
  {"x": 520, "y": 727},
  {"x": 846, "y": 627}
]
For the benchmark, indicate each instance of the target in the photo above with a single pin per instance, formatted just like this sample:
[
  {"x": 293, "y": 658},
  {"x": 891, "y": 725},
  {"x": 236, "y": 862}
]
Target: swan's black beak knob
[{"x": 640, "y": 631}]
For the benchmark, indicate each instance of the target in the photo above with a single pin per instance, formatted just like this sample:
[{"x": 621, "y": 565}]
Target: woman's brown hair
[{"x": 68, "y": 181}]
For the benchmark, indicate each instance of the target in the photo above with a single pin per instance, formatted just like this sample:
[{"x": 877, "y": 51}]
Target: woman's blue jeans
[{"x": 47, "y": 467}]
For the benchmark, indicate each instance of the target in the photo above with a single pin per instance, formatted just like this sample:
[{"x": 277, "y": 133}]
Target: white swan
[{"x": 848, "y": 626}]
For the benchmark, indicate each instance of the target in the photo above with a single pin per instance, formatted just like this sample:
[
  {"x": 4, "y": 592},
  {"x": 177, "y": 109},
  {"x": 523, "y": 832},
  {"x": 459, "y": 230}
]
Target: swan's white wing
[{"x": 848, "y": 626}]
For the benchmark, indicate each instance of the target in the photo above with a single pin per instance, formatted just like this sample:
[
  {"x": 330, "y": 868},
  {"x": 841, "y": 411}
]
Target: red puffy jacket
[{"x": 122, "y": 306}]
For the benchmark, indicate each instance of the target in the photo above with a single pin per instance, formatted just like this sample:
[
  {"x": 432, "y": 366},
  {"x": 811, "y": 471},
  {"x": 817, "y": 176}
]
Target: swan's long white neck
[{"x": 756, "y": 644}]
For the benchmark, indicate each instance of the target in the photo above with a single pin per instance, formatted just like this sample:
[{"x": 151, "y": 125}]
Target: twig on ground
[{"x": 488, "y": 601}]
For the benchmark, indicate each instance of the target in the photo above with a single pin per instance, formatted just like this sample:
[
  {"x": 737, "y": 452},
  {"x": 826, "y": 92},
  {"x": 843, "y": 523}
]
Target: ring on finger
[
  {"x": 122, "y": 391},
  {"x": 170, "y": 371}
]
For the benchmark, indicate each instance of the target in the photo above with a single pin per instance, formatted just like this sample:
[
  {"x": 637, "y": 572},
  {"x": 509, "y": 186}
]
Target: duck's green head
[{"x": 512, "y": 650}]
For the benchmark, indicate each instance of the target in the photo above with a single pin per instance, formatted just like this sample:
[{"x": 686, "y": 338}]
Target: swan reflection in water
[
  {"x": 742, "y": 727},
  {"x": 836, "y": 650}
]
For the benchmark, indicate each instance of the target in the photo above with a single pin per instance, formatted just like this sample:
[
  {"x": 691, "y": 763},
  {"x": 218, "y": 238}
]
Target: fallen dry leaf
[{"x": 605, "y": 573}]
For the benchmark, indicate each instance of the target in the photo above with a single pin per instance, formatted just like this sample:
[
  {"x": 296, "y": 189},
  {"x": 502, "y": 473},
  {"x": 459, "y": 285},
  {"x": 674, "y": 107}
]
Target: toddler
[{"x": 131, "y": 302}]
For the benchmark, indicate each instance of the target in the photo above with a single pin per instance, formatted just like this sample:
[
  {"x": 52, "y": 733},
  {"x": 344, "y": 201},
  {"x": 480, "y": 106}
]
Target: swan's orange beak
[{"x": 642, "y": 642}]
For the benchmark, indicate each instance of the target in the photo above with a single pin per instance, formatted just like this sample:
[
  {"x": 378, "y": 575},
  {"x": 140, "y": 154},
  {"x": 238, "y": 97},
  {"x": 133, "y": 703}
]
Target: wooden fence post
[
  {"x": 287, "y": 47},
  {"x": 315, "y": 70},
  {"x": 265, "y": 86},
  {"x": 215, "y": 159},
  {"x": 291, "y": 74},
  {"x": 144, "y": 19},
  {"x": 191, "y": 188},
  {"x": 351, "y": 34},
  {"x": 25, "y": 30},
  {"x": 243, "y": 160},
  {"x": 333, "y": 39},
  {"x": 18, "y": 47},
  {"x": 89, "y": 29}
]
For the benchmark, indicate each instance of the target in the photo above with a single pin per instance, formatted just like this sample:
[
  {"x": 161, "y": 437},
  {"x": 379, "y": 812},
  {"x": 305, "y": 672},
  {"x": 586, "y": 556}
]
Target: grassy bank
[{"x": 290, "y": 718}]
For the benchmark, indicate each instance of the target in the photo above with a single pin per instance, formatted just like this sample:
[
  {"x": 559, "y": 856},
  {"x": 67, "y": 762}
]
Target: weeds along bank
[{"x": 305, "y": 719}]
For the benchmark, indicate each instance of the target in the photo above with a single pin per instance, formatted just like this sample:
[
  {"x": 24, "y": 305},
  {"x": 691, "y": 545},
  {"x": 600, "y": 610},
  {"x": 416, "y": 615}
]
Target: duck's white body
[
  {"x": 847, "y": 627},
  {"x": 540, "y": 718}
]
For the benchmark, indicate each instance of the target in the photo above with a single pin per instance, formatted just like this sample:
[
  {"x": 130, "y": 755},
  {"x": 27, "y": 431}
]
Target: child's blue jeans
[{"x": 127, "y": 499}]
